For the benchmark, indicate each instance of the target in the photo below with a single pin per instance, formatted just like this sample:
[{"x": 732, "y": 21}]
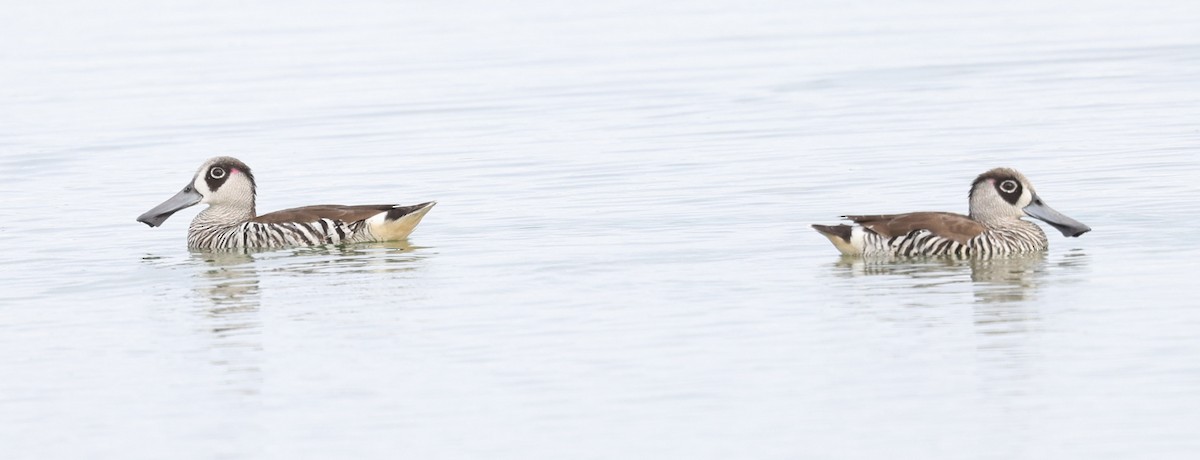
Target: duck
[
  {"x": 994, "y": 226},
  {"x": 227, "y": 186}
]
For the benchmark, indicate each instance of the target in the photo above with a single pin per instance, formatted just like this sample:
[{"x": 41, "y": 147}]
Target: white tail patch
[
  {"x": 854, "y": 247},
  {"x": 399, "y": 229}
]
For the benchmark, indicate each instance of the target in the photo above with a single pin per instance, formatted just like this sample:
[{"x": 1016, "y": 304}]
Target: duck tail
[
  {"x": 842, "y": 237},
  {"x": 398, "y": 222}
]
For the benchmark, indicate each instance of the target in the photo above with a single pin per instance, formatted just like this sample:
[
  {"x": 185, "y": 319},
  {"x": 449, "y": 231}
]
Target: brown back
[
  {"x": 956, "y": 227},
  {"x": 323, "y": 211}
]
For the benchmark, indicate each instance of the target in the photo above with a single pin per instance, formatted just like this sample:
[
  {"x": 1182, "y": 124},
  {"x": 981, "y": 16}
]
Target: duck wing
[
  {"x": 948, "y": 225},
  {"x": 324, "y": 211}
]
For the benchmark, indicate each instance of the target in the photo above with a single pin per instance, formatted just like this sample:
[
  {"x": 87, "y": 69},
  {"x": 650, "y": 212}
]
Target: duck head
[
  {"x": 1004, "y": 194},
  {"x": 221, "y": 182}
]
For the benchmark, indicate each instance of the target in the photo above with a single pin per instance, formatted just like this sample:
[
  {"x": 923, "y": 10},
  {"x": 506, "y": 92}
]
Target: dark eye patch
[
  {"x": 1010, "y": 190},
  {"x": 224, "y": 169},
  {"x": 216, "y": 177}
]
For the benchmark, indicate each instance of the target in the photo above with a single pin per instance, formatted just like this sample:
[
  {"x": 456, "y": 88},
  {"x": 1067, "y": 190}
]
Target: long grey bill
[
  {"x": 159, "y": 214},
  {"x": 1068, "y": 226}
]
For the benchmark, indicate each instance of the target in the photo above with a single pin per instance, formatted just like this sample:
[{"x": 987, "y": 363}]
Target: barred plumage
[
  {"x": 230, "y": 222},
  {"x": 992, "y": 242},
  {"x": 260, "y": 235},
  {"x": 998, "y": 200}
]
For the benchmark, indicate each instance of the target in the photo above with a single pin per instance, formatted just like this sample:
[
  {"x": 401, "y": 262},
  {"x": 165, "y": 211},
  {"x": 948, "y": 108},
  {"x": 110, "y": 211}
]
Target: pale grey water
[{"x": 620, "y": 265}]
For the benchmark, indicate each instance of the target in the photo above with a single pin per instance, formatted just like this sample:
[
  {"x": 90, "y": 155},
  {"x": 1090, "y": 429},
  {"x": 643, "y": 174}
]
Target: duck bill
[
  {"x": 159, "y": 214},
  {"x": 1068, "y": 226}
]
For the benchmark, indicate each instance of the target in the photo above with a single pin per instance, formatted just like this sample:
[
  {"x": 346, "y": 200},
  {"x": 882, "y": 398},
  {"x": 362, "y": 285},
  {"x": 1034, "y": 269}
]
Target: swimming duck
[
  {"x": 227, "y": 186},
  {"x": 998, "y": 200}
]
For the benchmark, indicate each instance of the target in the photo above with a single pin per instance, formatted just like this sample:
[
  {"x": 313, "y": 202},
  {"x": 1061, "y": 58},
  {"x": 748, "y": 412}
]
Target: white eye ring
[
  {"x": 1008, "y": 186},
  {"x": 217, "y": 172}
]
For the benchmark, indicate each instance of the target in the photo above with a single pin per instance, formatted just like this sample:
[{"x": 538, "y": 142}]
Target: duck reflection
[
  {"x": 228, "y": 284},
  {"x": 228, "y": 280},
  {"x": 1004, "y": 293},
  {"x": 1000, "y": 279},
  {"x": 233, "y": 274},
  {"x": 1006, "y": 321},
  {"x": 1007, "y": 279},
  {"x": 363, "y": 258}
]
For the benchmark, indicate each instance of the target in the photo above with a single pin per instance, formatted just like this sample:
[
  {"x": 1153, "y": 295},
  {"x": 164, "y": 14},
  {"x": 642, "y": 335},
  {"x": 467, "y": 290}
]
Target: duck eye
[
  {"x": 1008, "y": 186},
  {"x": 217, "y": 172}
]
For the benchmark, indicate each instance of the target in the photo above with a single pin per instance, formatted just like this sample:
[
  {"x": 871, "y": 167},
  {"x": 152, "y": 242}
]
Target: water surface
[{"x": 620, "y": 264}]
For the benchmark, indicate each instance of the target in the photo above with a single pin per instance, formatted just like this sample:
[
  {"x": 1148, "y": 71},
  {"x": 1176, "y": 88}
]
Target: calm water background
[{"x": 620, "y": 265}]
